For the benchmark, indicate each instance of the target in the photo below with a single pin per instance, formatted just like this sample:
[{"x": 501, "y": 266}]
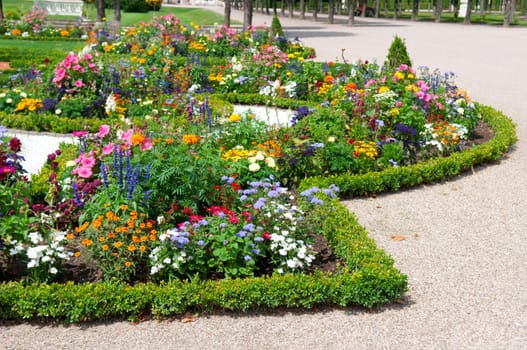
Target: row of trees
[{"x": 334, "y": 6}]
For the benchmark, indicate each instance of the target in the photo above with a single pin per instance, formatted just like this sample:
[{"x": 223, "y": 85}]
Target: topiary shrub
[
  {"x": 276, "y": 28},
  {"x": 397, "y": 54}
]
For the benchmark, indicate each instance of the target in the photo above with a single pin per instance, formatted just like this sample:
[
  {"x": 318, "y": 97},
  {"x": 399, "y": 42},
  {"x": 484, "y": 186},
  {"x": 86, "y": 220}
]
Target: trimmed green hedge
[
  {"x": 434, "y": 170},
  {"x": 368, "y": 279}
]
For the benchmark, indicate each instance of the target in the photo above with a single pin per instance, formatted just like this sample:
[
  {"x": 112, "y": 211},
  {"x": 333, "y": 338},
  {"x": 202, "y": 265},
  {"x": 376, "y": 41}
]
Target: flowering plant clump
[
  {"x": 118, "y": 241},
  {"x": 264, "y": 228},
  {"x": 76, "y": 73}
]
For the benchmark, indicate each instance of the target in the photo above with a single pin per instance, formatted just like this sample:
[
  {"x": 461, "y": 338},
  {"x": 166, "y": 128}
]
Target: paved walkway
[{"x": 465, "y": 247}]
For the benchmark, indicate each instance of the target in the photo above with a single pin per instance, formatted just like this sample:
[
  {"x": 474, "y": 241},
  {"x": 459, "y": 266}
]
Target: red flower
[
  {"x": 266, "y": 235},
  {"x": 15, "y": 145},
  {"x": 234, "y": 219}
]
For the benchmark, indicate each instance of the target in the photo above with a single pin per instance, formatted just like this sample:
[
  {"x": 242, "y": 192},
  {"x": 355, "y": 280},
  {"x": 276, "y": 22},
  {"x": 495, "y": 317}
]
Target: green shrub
[{"x": 397, "y": 54}]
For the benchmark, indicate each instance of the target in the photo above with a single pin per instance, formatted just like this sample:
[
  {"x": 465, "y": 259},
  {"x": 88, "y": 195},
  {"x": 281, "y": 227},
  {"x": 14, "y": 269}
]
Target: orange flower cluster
[
  {"x": 116, "y": 238},
  {"x": 191, "y": 139}
]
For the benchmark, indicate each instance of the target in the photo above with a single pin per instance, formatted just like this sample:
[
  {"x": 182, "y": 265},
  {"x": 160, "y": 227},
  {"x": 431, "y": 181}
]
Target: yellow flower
[
  {"x": 383, "y": 89},
  {"x": 234, "y": 118}
]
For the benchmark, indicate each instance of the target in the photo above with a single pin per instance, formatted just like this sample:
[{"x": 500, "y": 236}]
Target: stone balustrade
[{"x": 61, "y": 7}]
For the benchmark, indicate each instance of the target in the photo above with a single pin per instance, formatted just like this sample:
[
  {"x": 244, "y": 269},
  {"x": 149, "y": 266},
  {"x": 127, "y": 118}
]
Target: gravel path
[{"x": 464, "y": 247}]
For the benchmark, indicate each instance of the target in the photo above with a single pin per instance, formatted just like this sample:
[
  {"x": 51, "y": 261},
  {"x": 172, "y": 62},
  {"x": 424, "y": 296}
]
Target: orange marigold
[{"x": 191, "y": 139}]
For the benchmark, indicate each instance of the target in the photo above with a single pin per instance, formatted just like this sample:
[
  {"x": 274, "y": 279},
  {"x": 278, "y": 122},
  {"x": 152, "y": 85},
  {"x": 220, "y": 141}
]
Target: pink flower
[
  {"x": 146, "y": 145},
  {"x": 79, "y": 83},
  {"x": 398, "y": 104},
  {"x": 103, "y": 131},
  {"x": 83, "y": 172},
  {"x": 79, "y": 133},
  {"x": 108, "y": 149},
  {"x": 439, "y": 106},
  {"x": 403, "y": 67},
  {"x": 127, "y": 136},
  {"x": 88, "y": 56},
  {"x": 87, "y": 162}
]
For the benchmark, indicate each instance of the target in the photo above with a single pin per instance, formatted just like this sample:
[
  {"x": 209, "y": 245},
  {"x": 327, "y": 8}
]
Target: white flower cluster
[
  {"x": 387, "y": 95},
  {"x": 38, "y": 253},
  {"x": 272, "y": 89},
  {"x": 292, "y": 254},
  {"x": 434, "y": 139}
]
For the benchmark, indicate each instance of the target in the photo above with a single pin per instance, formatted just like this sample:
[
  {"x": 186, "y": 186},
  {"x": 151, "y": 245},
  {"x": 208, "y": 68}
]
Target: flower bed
[{"x": 170, "y": 191}]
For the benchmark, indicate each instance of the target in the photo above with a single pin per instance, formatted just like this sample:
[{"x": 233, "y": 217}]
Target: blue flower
[
  {"x": 256, "y": 251},
  {"x": 201, "y": 243},
  {"x": 241, "y": 234},
  {"x": 247, "y": 258},
  {"x": 259, "y": 203},
  {"x": 258, "y": 239},
  {"x": 317, "y": 201},
  {"x": 249, "y": 227}
]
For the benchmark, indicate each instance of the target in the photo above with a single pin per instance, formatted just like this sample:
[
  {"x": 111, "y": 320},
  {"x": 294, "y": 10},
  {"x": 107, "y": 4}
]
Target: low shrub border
[{"x": 368, "y": 278}]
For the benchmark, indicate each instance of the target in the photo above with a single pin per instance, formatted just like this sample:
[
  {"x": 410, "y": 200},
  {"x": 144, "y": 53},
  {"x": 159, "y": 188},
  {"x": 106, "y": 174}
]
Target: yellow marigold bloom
[
  {"x": 135, "y": 239},
  {"x": 102, "y": 239},
  {"x": 77, "y": 254},
  {"x": 143, "y": 238},
  {"x": 105, "y": 247},
  {"x": 399, "y": 75},
  {"x": 127, "y": 264},
  {"x": 411, "y": 76},
  {"x": 383, "y": 89},
  {"x": 111, "y": 234},
  {"x": 234, "y": 118},
  {"x": 131, "y": 248},
  {"x": 118, "y": 244},
  {"x": 123, "y": 207},
  {"x": 142, "y": 248},
  {"x": 87, "y": 242},
  {"x": 191, "y": 139},
  {"x": 64, "y": 33},
  {"x": 70, "y": 236},
  {"x": 169, "y": 141},
  {"x": 394, "y": 112}
]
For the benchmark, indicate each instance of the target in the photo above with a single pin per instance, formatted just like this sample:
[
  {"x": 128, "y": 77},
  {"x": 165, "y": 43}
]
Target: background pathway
[{"x": 465, "y": 247}]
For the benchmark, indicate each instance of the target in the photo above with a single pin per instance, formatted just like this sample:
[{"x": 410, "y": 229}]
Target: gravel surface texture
[{"x": 464, "y": 246}]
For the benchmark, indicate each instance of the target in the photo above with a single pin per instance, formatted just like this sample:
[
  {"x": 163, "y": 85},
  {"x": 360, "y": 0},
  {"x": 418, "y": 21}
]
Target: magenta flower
[
  {"x": 108, "y": 149},
  {"x": 87, "y": 162},
  {"x": 79, "y": 133},
  {"x": 85, "y": 173},
  {"x": 103, "y": 131},
  {"x": 79, "y": 83}
]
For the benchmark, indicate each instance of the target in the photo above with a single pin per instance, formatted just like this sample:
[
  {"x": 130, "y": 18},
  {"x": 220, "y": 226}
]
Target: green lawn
[{"x": 186, "y": 15}]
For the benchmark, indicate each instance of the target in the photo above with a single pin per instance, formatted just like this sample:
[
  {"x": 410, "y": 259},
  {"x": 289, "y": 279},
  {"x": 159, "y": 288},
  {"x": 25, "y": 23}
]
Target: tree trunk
[
  {"x": 116, "y": 15},
  {"x": 482, "y": 8},
  {"x": 247, "y": 14},
  {"x": 364, "y": 4},
  {"x": 508, "y": 12},
  {"x": 469, "y": 12},
  {"x": 267, "y": 7},
  {"x": 315, "y": 10},
  {"x": 302, "y": 9},
  {"x": 101, "y": 11},
  {"x": 438, "y": 11},
  {"x": 395, "y": 6},
  {"x": 227, "y": 14},
  {"x": 415, "y": 10},
  {"x": 351, "y": 14},
  {"x": 377, "y": 8},
  {"x": 331, "y": 11},
  {"x": 2, "y": 17},
  {"x": 290, "y": 7},
  {"x": 274, "y": 8},
  {"x": 282, "y": 8}
]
